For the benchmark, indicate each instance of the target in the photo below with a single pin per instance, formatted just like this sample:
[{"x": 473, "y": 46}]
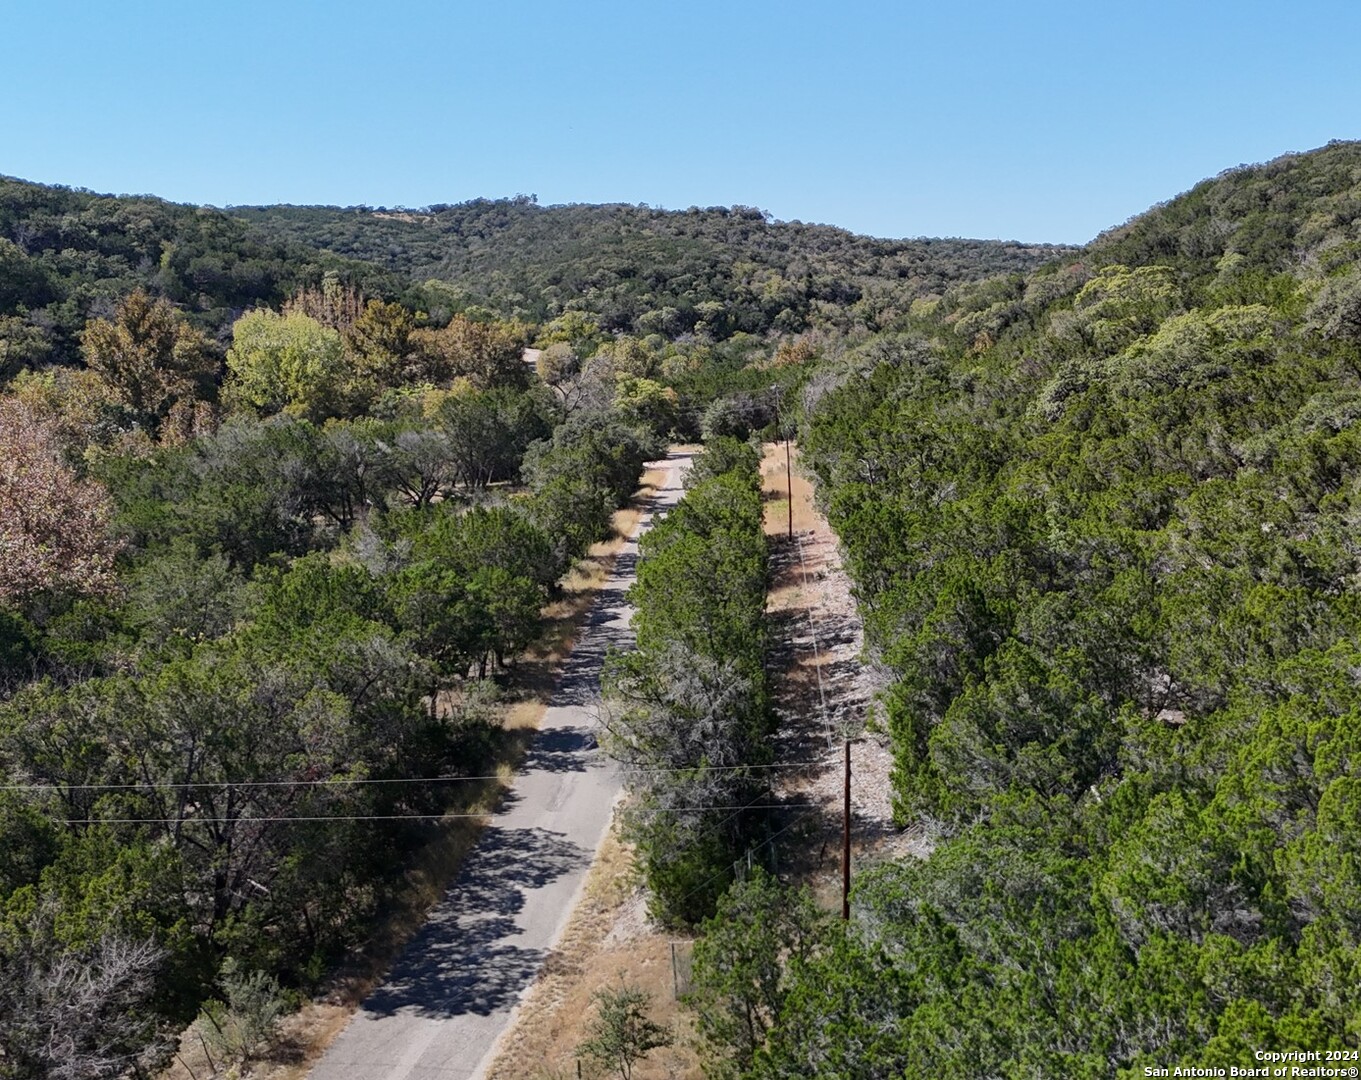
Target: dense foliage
[
  {"x": 228, "y": 642},
  {"x": 689, "y": 707},
  {"x": 714, "y": 271},
  {"x": 68, "y": 255},
  {"x": 1101, "y": 522},
  {"x": 256, "y": 525},
  {"x": 658, "y": 313}
]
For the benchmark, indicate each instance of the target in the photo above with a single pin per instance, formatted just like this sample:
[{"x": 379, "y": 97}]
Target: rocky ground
[{"x": 826, "y": 687}]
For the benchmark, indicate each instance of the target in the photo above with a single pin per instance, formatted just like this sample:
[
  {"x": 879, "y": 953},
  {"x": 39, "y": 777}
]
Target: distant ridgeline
[
  {"x": 1103, "y": 523},
  {"x": 67, "y": 255},
  {"x": 646, "y": 271}
]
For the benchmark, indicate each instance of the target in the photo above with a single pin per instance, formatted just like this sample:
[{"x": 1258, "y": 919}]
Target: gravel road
[{"x": 451, "y": 995}]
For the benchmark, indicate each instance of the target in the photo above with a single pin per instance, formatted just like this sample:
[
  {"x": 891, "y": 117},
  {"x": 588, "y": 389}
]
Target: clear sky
[{"x": 1032, "y": 121}]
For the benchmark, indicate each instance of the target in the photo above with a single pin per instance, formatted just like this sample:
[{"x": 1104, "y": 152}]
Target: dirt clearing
[{"x": 823, "y": 689}]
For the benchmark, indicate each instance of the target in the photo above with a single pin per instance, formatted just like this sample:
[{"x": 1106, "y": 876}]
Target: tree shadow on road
[
  {"x": 567, "y": 749},
  {"x": 463, "y": 960},
  {"x": 605, "y": 628}
]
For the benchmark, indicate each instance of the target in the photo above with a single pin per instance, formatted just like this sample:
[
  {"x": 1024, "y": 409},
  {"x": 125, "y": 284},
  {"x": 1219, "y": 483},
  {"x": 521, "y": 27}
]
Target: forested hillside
[
  {"x": 273, "y": 520},
  {"x": 714, "y": 271},
  {"x": 1102, "y": 522},
  {"x": 66, "y": 256}
]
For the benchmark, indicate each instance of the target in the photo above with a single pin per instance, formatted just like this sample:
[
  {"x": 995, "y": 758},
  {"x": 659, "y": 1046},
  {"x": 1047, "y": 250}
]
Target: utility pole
[
  {"x": 788, "y": 468},
  {"x": 846, "y": 839}
]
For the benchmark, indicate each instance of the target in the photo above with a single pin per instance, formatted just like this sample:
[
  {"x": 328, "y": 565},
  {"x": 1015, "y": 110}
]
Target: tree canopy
[{"x": 1098, "y": 521}]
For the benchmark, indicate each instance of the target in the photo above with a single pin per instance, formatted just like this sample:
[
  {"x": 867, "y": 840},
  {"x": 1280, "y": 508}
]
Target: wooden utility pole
[
  {"x": 846, "y": 839},
  {"x": 789, "y": 484},
  {"x": 788, "y": 468}
]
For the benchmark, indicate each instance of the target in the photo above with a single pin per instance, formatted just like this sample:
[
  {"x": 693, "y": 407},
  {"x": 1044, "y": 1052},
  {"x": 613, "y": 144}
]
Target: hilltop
[
  {"x": 67, "y": 254},
  {"x": 642, "y": 270}
]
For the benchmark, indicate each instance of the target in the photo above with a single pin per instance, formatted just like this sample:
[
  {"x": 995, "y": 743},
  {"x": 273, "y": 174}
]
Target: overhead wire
[
  {"x": 342, "y": 782},
  {"x": 186, "y": 785},
  {"x": 245, "y": 819},
  {"x": 806, "y": 807}
]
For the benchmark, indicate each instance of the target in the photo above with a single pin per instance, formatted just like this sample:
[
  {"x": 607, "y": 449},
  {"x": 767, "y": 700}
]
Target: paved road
[{"x": 445, "y": 1002}]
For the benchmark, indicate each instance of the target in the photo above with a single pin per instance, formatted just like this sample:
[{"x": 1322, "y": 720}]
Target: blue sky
[{"x": 1032, "y": 121}]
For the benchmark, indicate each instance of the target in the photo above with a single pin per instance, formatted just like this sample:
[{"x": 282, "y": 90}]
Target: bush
[
  {"x": 622, "y": 1034},
  {"x": 236, "y": 1028}
]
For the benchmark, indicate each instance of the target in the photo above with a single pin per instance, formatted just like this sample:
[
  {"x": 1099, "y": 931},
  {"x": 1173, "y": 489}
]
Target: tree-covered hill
[
  {"x": 1295, "y": 213},
  {"x": 1102, "y": 522},
  {"x": 67, "y": 255},
  {"x": 642, "y": 270}
]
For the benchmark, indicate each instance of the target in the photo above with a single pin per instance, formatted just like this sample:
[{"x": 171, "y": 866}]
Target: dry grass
[
  {"x": 305, "y": 1035},
  {"x": 775, "y": 484},
  {"x": 609, "y": 938},
  {"x": 536, "y": 672},
  {"x": 789, "y": 589}
]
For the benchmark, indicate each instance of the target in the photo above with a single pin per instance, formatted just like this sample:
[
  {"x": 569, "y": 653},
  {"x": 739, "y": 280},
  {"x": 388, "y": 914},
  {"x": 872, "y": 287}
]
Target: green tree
[
  {"x": 687, "y": 710},
  {"x": 379, "y": 341},
  {"x": 287, "y": 363},
  {"x": 645, "y": 401},
  {"x": 22, "y": 346},
  {"x": 724, "y": 454},
  {"x": 739, "y": 983},
  {"x": 621, "y": 1034},
  {"x": 489, "y": 431}
]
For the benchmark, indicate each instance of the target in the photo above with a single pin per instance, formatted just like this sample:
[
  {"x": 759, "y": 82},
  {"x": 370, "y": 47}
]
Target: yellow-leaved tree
[{"x": 150, "y": 361}]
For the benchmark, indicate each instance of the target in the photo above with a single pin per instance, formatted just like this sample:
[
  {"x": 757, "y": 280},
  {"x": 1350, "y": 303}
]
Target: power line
[
  {"x": 246, "y": 819},
  {"x": 355, "y": 781}
]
